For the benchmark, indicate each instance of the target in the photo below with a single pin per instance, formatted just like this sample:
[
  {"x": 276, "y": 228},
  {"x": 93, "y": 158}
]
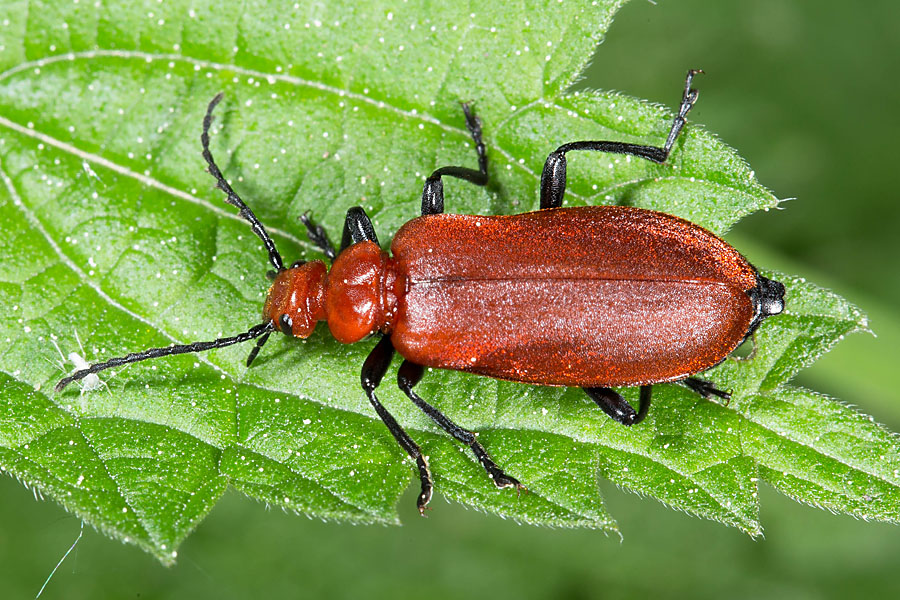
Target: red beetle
[{"x": 591, "y": 297}]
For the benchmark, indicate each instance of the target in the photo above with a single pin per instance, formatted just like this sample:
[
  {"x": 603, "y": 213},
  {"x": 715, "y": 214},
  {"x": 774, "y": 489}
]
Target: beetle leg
[
  {"x": 617, "y": 407},
  {"x": 433, "y": 192},
  {"x": 409, "y": 375},
  {"x": 259, "y": 344},
  {"x": 553, "y": 177},
  {"x": 317, "y": 236},
  {"x": 705, "y": 388},
  {"x": 373, "y": 371},
  {"x": 357, "y": 228}
]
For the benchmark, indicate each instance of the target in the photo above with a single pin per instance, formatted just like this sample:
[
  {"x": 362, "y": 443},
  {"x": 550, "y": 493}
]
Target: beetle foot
[
  {"x": 707, "y": 389},
  {"x": 502, "y": 480},
  {"x": 423, "y": 500},
  {"x": 427, "y": 484}
]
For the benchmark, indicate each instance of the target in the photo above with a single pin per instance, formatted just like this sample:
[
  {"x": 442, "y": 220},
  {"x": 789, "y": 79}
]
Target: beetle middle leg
[
  {"x": 433, "y": 192},
  {"x": 553, "y": 177},
  {"x": 373, "y": 371},
  {"x": 617, "y": 407},
  {"x": 409, "y": 375}
]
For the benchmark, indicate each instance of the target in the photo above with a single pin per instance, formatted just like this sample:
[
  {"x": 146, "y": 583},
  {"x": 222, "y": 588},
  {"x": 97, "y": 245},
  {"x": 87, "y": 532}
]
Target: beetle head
[
  {"x": 296, "y": 299},
  {"x": 768, "y": 300}
]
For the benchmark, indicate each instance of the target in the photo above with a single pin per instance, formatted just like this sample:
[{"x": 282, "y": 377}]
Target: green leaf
[{"x": 114, "y": 239}]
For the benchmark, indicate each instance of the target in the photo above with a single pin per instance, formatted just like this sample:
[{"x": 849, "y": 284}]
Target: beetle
[{"x": 592, "y": 297}]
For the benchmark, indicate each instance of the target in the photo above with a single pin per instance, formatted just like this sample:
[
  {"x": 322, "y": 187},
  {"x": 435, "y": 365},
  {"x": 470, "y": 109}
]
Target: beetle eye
[
  {"x": 286, "y": 324},
  {"x": 298, "y": 263}
]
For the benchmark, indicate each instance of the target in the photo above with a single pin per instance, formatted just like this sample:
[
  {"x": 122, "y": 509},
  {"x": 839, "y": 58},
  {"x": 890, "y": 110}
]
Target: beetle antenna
[
  {"x": 254, "y": 332},
  {"x": 232, "y": 197}
]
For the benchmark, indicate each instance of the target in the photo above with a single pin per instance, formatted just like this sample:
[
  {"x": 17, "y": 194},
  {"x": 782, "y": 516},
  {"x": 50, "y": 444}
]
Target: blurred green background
[{"x": 808, "y": 92}]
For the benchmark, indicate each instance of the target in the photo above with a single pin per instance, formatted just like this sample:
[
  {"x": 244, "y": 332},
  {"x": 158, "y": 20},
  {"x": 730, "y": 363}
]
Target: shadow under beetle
[{"x": 591, "y": 297}]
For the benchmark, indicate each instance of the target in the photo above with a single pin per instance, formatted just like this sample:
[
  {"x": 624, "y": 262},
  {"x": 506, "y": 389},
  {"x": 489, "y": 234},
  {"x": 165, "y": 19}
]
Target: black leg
[
  {"x": 373, "y": 371},
  {"x": 553, "y": 178},
  {"x": 357, "y": 228},
  {"x": 617, "y": 407},
  {"x": 317, "y": 236},
  {"x": 705, "y": 388},
  {"x": 259, "y": 344},
  {"x": 409, "y": 375},
  {"x": 433, "y": 192},
  {"x": 644, "y": 402}
]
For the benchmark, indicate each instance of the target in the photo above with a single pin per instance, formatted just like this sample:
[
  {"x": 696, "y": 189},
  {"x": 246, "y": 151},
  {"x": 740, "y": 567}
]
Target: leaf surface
[{"x": 114, "y": 239}]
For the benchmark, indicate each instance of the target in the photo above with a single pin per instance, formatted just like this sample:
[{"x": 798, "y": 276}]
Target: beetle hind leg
[
  {"x": 433, "y": 191},
  {"x": 553, "y": 177},
  {"x": 409, "y": 375},
  {"x": 614, "y": 405}
]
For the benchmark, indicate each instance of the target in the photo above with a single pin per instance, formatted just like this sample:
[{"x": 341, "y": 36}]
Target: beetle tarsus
[
  {"x": 473, "y": 124},
  {"x": 427, "y": 486},
  {"x": 705, "y": 388},
  {"x": 317, "y": 236},
  {"x": 497, "y": 475},
  {"x": 688, "y": 99},
  {"x": 502, "y": 480},
  {"x": 422, "y": 502}
]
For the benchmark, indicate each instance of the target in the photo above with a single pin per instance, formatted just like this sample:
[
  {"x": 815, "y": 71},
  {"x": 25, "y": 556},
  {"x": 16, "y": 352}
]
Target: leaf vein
[{"x": 821, "y": 452}]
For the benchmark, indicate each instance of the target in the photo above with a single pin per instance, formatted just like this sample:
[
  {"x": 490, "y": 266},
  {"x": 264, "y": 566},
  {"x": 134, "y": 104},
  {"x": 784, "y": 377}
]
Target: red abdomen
[{"x": 589, "y": 296}]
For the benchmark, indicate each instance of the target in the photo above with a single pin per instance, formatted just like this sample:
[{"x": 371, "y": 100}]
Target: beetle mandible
[{"x": 593, "y": 297}]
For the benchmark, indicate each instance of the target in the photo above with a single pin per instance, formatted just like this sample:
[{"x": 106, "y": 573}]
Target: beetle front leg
[
  {"x": 409, "y": 375},
  {"x": 317, "y": 236},
  {"x": 373, "y": 371},
  {"x": 357, "y": 228},
  {"x": 617, "y": 407},
  {"x": 553, "y": 177},
  {"x": 433, "y": 192}
]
